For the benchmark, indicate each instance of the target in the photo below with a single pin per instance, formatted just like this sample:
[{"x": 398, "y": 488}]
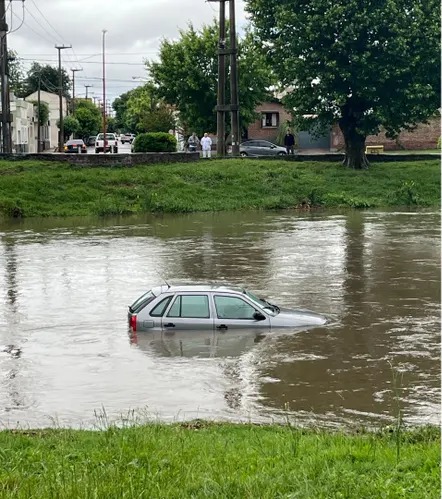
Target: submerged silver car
[{"x": 209, "y": 307}]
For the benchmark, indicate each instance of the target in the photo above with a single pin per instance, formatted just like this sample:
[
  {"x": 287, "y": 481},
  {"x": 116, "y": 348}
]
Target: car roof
[
  {"x": 201, "y": 288},
  {"x": 75, "y": 141}
]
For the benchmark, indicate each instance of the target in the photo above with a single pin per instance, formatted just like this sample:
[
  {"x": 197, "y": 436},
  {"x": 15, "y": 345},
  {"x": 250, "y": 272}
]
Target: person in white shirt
[{"x": 206, "y": 146}]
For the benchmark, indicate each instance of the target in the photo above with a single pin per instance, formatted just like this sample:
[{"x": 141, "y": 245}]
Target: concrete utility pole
[
  {"x": 221, "y": 107},
  {"x": 4, "y": 73},
  {"x": 38, "y": 113},
  {"x": 234, "y": 101},
  {"x": 104, "y": 93},
  {"x": 60, "y": 95},
  {"x": 74, "y": 70}
]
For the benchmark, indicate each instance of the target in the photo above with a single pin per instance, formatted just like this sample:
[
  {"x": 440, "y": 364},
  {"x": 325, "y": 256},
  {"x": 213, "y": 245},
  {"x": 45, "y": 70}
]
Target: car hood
[{"x": 298, "y": 317}]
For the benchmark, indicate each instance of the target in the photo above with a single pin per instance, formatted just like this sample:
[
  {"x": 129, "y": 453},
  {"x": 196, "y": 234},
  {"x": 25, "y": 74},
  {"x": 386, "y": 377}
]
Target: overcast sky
[{"x": 134, "y": 31}]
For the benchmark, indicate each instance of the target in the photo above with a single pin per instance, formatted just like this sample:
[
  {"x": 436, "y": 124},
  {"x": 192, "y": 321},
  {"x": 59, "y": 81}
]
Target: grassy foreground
[
  {"x": 201, "y": 460},
  {"x": 35, "y": 188}
]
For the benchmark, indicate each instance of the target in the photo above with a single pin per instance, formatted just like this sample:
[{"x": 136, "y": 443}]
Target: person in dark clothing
[{"x": 289, "y": 142}]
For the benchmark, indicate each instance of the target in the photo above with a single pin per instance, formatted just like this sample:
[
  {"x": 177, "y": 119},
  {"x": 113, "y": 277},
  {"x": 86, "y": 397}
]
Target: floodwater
[{"x": 68, "y": 359}]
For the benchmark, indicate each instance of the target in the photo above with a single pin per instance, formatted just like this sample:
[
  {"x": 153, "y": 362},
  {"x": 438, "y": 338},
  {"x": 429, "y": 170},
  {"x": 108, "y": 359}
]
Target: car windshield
[
  {"x": 273, "y": 309},
  {"x": 74, "y": 142},
  {"x": 108, "y": 136},
  {"x": 141, "y": 302}
]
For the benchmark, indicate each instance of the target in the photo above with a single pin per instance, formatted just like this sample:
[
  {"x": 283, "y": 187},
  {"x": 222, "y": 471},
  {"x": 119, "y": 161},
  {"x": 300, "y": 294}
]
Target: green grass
[
  {"x": 201, "y": 460},
  {"x": 34, "y": 188}
]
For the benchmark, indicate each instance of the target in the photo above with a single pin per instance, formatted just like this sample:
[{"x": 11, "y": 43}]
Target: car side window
[
  {"x": 231, "y": 307},
  {"x": 159, "y": 309},
  {"x": 190, "y": 306}
]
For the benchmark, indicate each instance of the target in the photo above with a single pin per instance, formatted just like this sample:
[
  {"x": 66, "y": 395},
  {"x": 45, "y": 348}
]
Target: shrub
[{"x": 155, "y": 142}]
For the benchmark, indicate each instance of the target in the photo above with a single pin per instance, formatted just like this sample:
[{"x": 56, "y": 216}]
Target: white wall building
[
  {"x": 52, "y": 100},
  {"x": 23, "y": 126}
]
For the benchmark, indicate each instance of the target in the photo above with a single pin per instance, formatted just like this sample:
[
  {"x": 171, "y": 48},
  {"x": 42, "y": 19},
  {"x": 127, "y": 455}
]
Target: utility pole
[
  {"x": 104, "y": 95},
  {"x": 74, "y": 70},
  {"x": 38, "y": 114},
  {"x": 4, "y": 73},
  {"x": 60, "y": 95},
  {"x": 222, "y": 107},
  {"x": 234, "y": 102},
  {"x": 86, "y": 87}
]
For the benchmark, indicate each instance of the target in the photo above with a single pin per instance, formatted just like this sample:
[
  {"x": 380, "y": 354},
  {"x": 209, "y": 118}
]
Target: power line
[{"x": 89, "y": 62}]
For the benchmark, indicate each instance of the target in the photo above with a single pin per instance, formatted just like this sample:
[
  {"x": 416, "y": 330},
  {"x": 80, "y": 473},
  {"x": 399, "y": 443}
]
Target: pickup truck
[
  {"x": 127, "y": 137},
  {"x": 111, "y": 143}
]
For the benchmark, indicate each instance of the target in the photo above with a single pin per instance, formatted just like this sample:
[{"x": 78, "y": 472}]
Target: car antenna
[{"x": 162, "y": 278}]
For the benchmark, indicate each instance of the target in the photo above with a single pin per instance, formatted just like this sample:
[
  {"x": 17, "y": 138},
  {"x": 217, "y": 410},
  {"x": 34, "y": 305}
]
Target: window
[
  {"x": 270, "y": 120},
  {"x": 159, "y": 309},
  {"x": 142, "y": 302},
  {"x": 190, "y": 306},
  {"x": 231, "y": 307}
]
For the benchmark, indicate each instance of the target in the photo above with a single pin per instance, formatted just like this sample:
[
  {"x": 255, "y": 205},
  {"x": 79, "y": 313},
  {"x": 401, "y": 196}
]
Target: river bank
[
  {"x": 32, "y": 188},
  {"x": 199, "y": 459}
]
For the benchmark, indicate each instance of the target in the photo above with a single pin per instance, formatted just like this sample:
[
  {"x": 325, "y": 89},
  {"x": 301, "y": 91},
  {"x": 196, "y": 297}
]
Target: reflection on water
[
  {"x": 65, "y": 286},
  {"x": 197, "y": 343}
]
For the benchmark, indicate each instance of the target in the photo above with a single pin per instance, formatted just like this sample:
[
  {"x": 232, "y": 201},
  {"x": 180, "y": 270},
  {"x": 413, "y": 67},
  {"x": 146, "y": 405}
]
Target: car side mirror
[{"x": 258, "y": 316}]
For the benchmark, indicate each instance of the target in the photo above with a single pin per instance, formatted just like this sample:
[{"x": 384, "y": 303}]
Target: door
[
  {"x": 188, "y": 311},
  {"x": 265, "y": 148},
  {"x": 234, "y": 312}
]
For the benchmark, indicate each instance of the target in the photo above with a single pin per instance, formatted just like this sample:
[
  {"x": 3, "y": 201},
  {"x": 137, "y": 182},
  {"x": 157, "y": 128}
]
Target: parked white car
[
  {"x": 127, "y": 137},
  {"x": 111, "y": 143}
]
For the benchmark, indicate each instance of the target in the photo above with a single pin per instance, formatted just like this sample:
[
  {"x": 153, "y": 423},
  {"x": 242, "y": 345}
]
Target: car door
[
  {"x": 265, "y": 148},
  {"x": 188, "y": 311},
  {"x": 251, "y": 147},
  {"x": 236, "y": 312}
]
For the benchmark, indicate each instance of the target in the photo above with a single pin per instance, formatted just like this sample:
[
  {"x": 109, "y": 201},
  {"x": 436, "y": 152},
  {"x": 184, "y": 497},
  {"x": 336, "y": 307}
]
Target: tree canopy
[
  {"x": 89, "y": 118},
  {"x": 49, "y": 79},
  {"x": 366, "y": 65},
  {"x": 186, "y": 76},
  {"x": 16, "y": 74},
  {"x": 141, "y": 110}
]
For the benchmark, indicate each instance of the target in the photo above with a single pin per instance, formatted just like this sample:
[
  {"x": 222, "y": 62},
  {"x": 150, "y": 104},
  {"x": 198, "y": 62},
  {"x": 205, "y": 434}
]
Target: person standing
[
  {"x": 206, "y": 145},
  {"x": 193, "y": 142},
  {"x": 289, "y": 142}
]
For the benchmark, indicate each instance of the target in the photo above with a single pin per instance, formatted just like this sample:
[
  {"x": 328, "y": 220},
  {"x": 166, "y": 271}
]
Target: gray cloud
[{"x": 134, "y": 31}]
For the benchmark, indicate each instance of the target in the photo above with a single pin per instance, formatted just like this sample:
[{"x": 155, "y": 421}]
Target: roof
[{"x": 202, "y": 288}]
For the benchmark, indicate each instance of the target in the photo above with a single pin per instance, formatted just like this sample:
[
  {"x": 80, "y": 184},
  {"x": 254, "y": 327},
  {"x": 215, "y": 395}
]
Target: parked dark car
[
  {"x": 75, "y": 146},
  {"x": 91, "y": 140},
  {"x": 260, "y": 148}
]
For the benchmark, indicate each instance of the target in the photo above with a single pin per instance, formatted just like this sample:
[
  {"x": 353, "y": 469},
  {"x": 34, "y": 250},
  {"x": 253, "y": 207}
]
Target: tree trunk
[{"x": 355, "y": 156}]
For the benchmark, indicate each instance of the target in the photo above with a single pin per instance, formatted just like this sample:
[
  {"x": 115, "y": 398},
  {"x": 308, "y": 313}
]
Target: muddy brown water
[{"x": 67, "y": 359}]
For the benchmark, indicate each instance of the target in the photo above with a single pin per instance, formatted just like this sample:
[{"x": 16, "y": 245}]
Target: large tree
[
  {"x": 366, "y": 65},
  {"x": 16, "y": 74},
  {"x": 120, "y": 107},
  {"x": 89, "y": 118},
  {"x": 48, "y": 78},
  {"x": 142, "y": 110},
  {"x": 186, "y": 76},
  {"x": 147, "y": 112}
]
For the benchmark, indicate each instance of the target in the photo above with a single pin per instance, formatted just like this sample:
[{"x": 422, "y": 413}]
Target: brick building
[
  {"x": 273, "y": 114},
  {"x": 425, "y": 136}
]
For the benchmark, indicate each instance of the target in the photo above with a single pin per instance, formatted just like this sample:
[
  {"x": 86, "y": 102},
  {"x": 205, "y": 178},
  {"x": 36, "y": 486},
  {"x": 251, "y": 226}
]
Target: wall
[
  {"x": 256, "y": 131},
  {"x": 425, "y": 136},
  {"x": 52, "y": 100},
  {"x": 102, "y": 160}
]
